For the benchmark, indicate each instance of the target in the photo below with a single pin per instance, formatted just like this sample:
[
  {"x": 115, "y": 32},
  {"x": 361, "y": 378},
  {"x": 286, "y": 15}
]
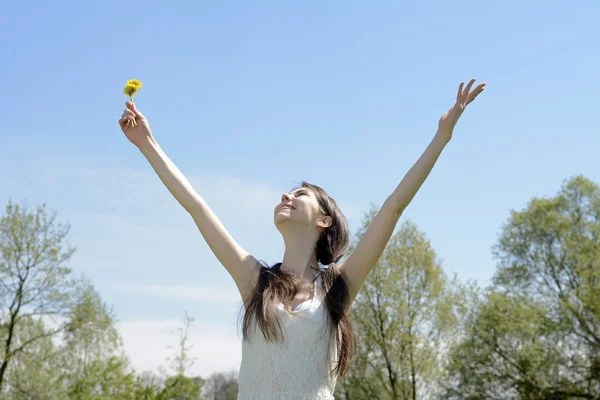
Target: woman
[{"x": 297, "y": 334}]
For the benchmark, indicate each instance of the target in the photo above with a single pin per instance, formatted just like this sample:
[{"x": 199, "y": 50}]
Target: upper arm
[
  {"x": 240, "y": 264},
  {"x": 356, "y": 267}
]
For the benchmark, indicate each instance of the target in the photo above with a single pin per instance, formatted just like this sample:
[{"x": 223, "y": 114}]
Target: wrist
[
  {"x": 148, "y": 144},
  {"x": 442, "y": 136}
]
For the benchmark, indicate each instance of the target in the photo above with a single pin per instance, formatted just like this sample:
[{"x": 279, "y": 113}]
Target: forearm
[
  {"x": 170, "y": 175},
  {"x": 413, "y": 180}
]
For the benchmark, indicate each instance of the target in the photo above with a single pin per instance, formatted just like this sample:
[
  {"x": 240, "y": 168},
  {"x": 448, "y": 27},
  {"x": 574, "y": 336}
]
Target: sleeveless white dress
[{"x": 297, "y": 369}]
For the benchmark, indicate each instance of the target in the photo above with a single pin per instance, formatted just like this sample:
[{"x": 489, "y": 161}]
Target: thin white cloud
[{"x": 150, "y": 342}]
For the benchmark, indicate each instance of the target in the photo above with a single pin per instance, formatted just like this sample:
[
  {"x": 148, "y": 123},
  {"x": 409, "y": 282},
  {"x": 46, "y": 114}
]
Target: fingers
[
  {"x": 131, "y": 106},
  {"x": 480, "y": 88},
  {"x": 128, "y": 113},
  {"x": 459, "y": 94},
  {"x": 127, "y": 118},
  {"x": 127, "y": 121},
  {"x": 470, "y": 85},
  {"x": 465, "y": 94},
  {"x": 123, "y": 123}
]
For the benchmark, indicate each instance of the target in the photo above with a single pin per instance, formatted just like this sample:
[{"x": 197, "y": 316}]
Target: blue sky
[{"x": 250, "y": 98}]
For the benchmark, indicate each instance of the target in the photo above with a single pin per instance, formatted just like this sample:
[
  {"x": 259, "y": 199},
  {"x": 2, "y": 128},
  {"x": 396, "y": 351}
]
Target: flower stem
[{"x": 133, "y": 123}]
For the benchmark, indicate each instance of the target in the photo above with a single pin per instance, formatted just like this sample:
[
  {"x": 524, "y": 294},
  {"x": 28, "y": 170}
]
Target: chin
[{"x": 279, "y": 218}]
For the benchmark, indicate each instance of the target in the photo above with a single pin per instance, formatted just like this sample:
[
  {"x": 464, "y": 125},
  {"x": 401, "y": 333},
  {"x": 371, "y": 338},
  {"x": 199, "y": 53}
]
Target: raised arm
[
  {"x": 239, "y": 263},
  {"x": 361, "y": 261}
]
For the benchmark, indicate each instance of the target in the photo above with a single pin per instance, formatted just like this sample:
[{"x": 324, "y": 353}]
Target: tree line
[{"x": 532, "y": 333}]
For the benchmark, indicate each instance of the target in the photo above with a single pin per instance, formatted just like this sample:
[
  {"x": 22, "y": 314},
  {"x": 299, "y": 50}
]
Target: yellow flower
[{"x": 131, "y": 87}]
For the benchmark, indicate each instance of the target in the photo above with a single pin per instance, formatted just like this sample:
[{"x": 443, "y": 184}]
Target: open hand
[
  {"x": 463, "y": 98},
  {"x": 134, "y": 125}
]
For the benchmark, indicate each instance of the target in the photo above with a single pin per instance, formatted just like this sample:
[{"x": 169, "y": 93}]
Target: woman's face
[{"x": 300, "y": 207}]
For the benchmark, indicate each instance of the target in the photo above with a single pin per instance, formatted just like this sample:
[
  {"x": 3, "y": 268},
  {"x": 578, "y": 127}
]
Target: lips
[{"x": 287, "y": 207}]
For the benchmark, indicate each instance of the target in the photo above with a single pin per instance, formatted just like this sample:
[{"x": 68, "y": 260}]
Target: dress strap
[{"x": 317, "y": 287}]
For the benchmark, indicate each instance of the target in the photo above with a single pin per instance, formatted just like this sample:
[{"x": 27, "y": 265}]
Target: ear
[{"x": 324, "y": 222}]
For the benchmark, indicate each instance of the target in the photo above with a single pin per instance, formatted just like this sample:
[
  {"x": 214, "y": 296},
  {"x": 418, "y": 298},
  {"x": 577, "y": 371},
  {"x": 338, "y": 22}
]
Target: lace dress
[{"x": 298, "y": 368}]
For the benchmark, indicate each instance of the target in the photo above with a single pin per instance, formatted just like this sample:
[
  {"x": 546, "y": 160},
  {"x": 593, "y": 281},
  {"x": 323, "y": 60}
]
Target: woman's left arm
[{"x": 361, "y": 261}]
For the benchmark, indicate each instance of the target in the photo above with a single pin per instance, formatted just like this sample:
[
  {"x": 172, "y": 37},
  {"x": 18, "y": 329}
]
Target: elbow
[
  {"x": 394, "y": 206},
  {"x": 192, "y": 208},
  {"x": 398, "y": 212},
  {"x": 194, "y": 205}
]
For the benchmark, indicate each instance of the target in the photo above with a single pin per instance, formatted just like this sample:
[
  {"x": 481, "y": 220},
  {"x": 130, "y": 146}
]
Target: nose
[{"x": 285, "y": 197}]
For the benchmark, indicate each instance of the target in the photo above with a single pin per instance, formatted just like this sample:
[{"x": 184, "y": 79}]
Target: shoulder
[{"x": 258, "y": 276}]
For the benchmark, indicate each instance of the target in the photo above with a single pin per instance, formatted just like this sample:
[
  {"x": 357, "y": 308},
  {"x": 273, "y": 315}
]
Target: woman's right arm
[{"x": 241, "y": 265}]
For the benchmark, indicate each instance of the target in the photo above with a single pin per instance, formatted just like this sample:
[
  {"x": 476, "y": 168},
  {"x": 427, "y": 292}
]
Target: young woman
[{"x": 297, "y": 334}]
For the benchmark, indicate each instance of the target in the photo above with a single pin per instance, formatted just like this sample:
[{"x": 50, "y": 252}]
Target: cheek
[{"x": 311, "y": 207}]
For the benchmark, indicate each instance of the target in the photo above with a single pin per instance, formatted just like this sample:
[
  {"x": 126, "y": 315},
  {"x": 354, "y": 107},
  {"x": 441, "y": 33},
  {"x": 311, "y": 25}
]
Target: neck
[{"x": 300, "y": 257}]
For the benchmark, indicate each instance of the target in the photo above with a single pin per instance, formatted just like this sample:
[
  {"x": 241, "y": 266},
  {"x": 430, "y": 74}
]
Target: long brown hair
[{"x": 275, "y": 286}]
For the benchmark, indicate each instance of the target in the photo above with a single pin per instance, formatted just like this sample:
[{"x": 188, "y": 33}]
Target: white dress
[{"x": 298, "y": 368}]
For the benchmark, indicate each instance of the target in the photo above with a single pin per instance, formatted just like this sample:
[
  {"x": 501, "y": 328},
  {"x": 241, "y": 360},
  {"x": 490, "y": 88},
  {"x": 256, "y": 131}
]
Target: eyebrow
[{"x": 301, "y": 190}]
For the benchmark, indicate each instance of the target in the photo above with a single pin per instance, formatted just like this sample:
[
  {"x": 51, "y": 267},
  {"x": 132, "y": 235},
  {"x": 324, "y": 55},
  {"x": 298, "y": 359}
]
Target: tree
[
  {"x": 179, "y": 386},
  {"x": 405, "y": 315},
  {"x": 231, "y": 393},
  {"x": 84, "y": 362},
  {"x": 220, "y": 386},
  {"x": 149, "y": 386},
  {"x": 536, "y": 333},
  {"x": 176, "y": 385},
  {"x": 34, "y": 279},
  {"x": 182, "y": 361},
  {"x": 93, "y": 363},
  {"x": 33, "y": 372},
  {"x": 58, "y": 339}
]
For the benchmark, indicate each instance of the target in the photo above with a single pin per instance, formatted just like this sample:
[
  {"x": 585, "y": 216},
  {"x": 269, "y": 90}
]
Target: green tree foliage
[
  {"x": 85, "y": 362},
  {"x": 58, "y": 339},
  {"x": 33, "y": 373},
  {"x": 536, "y": 333},
  {"x": 181, "y": 387},
  {"x": 405, "y": 316},
  {"x": 34, "y": 279},
  {"x": 94, "y": 366}
]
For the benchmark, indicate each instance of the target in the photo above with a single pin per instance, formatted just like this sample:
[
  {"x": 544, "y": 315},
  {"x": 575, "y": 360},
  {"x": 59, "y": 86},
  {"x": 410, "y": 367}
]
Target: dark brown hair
[{"x": 275, "y": 286}]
